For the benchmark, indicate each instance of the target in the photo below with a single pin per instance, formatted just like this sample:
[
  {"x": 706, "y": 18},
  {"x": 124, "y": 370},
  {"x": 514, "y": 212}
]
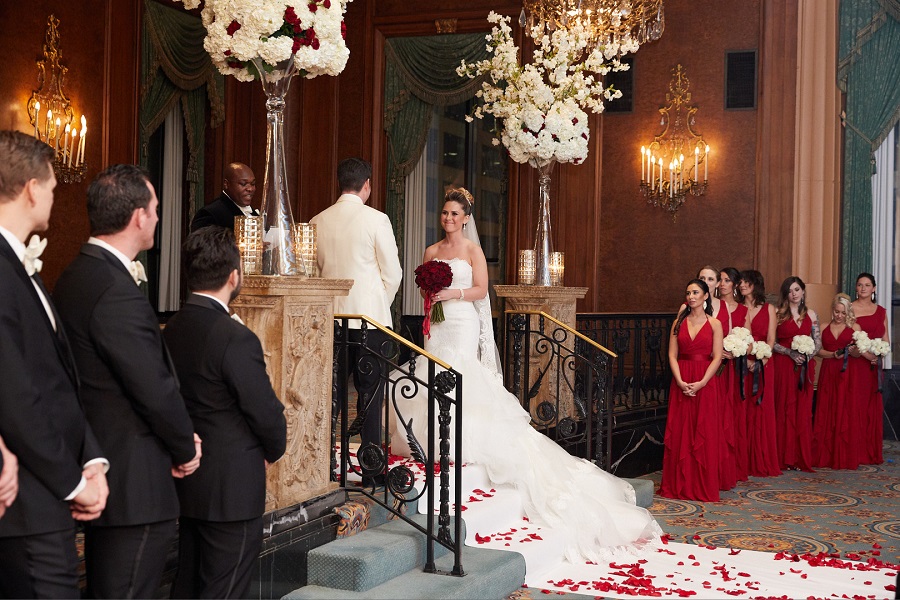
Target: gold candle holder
[
  {"x": 248, "y": 233},
  {"x": 557, "y": 268},
  {"x": 305, "y": 249},
  {"x": 527, "y": 267}
]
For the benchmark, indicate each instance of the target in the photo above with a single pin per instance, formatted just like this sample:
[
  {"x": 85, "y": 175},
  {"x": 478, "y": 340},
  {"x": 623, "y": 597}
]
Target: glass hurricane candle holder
[
  {"x": 248, "y": 233},
  {"x": 305, "y": 249},
  {"x": 557, "y": 268},
  {"x": 527, "y": 267}
]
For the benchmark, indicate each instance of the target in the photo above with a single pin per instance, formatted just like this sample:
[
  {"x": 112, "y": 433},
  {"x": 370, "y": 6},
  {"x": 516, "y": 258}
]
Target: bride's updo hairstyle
[{"x": 462, "y": 197}]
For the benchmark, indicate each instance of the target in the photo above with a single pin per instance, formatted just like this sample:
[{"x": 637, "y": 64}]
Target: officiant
[{"x": 234, "y": 201}]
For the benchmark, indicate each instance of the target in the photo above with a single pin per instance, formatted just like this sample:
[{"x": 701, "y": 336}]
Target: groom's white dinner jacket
[{"x": 357, "y": 242}]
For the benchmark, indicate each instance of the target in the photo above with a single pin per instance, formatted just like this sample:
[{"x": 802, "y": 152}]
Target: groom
[{"x": 357, "y": 242}]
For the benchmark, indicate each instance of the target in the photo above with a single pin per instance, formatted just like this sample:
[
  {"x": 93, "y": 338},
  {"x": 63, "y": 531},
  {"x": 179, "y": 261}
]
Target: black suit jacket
[
  {"x": 220, "y": 211},
  {"x": 234, "y": 408},
  {"x": 128, "y": 387},
  {"x": 41, "y": 420}
]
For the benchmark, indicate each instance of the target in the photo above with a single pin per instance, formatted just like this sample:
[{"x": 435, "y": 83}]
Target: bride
[{"x": 596, "y": 511}]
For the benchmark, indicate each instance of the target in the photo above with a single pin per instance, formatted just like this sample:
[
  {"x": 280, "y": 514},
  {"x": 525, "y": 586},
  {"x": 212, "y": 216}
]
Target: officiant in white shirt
[{"x": 356, "y": 241}]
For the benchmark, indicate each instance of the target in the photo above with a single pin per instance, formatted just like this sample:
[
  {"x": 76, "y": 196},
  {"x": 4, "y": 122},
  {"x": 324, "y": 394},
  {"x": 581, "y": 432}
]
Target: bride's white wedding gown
[{"x": 595, "y": 510}]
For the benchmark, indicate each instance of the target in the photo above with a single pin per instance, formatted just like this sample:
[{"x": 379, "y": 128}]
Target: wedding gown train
[{"x": 596, "y": 511}]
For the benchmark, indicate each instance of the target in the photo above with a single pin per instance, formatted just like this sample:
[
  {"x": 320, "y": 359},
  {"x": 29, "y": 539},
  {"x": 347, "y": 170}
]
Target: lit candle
[
  {"x": 652, "y": 172},
  {"x": 681, "y": 170},
  {"x": 65, "y": 147},
  {"x": 643, "y": 152},
  {"x": 81, "y": 142},
  {"x": 696, "y": 162},
  {"x": 72, "y": 148},
  {"x": 671, "y": 179},
  {"x": 660, "y": 176},
  {"x": 49, "y": 124},
  {"x": 706, "y": 165},
  {"x": 58, "y": 133},
  {"x": 37, "y": 119}
]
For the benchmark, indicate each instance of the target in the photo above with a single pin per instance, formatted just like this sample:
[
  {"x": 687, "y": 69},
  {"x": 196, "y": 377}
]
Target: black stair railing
[
  {"x": 424, "y": 376},
  {"x": 561, "y": 377}
]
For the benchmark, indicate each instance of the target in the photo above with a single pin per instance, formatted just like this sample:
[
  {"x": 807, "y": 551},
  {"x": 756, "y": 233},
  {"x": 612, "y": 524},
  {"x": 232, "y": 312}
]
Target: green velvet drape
[
  {"x": 175, "y": 67},
  {"x": 869, "y": 73},
  {"x": 420, "y": 73}
]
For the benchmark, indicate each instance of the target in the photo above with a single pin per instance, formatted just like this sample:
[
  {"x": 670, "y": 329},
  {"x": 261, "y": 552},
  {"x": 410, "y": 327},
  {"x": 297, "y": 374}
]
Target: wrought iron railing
[
  {"x": 376, "y": 350},
  {"x": 641, "y": 376},
  {"x": 561, "y": 378}
]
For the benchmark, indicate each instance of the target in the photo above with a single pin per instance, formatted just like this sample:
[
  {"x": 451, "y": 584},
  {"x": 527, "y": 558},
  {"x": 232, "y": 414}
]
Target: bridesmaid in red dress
[
  {"x": 731, "y": 397},
  {"x": 872, "y": 319},
  {"x": 727, "y": 470},
  {"x": 793, "y": 382},
  {"x": 835, "y": 433},
  {"x": 690, "y": 459},
  {"x": 760, "y": 405}
]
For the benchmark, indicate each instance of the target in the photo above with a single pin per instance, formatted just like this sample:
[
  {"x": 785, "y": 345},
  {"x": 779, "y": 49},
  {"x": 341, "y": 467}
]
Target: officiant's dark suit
[
  {"x": 129, "y": 390},
  {"x": 239, "y": 188},
  {"x": 237, "y": 415},
  {"x": 41, "y": 420}
]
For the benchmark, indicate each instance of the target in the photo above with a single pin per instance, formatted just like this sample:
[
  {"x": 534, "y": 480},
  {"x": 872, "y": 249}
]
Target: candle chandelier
[
  {"x": 613, "y": 23},
  {"x": 51, "y": 115},
  {"x": 671, "y": 163}
]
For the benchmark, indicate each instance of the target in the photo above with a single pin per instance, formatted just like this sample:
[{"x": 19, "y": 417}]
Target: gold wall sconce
[{"x": 50, "y": 111}]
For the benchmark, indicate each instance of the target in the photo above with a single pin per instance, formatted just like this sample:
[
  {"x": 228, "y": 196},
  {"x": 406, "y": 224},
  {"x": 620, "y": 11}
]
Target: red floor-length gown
[
  {"x": 864, "y": 386},
  {"x": 739, "y": 405},
  {"x": 793, "y": 403},
  {"x": 835, "y": 441},
  {"x": 690, "y": 458},
  {"x": 761, "y": 408},
  {"x": 724, "y": 381}
]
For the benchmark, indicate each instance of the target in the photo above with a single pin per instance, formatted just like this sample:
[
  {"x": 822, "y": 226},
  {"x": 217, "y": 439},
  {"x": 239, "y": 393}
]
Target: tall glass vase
[
  {"x": 279, "y": 256},
  {"x": 543, "y": 243}
]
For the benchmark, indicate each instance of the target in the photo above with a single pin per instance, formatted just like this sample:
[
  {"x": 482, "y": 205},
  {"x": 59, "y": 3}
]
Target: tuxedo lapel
[
  {"x": 103, "y": 254},
  {"x": 196, "y": 300}
]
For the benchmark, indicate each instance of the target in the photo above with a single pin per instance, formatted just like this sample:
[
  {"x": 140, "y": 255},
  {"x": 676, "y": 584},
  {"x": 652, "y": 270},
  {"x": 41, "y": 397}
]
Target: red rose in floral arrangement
[{"x": 432, "y": 277}]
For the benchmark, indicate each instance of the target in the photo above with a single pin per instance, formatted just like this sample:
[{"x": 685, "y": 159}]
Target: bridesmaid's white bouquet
[
  {"x": 880, "y": 348},
  {"x": 738, "y": 341},
  {"x": 761, "y": 350},
  {"x": 803, "y": 344},
  {"x": 861, "y": 341}
]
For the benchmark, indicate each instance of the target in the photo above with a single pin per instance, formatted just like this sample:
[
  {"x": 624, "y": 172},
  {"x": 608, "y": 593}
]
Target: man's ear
[{"x": 234, "y": 278}]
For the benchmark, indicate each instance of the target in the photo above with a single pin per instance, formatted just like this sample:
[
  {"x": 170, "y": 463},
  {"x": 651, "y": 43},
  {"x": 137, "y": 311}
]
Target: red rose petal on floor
[
  {"x": 891, "y": 588},
  {"x": 680, "y": 563},
  {"x": 803, "y": 576},
  {"x": 876, "y": 546},
  {"x": 696, "y": 537},
  {"x": 692, "y": 557},
  {"x": 695, "y": 564},
  {"x": 734, "y": 552}
]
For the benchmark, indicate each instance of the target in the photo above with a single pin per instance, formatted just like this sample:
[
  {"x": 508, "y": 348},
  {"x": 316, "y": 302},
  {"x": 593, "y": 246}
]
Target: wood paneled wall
[{"x": 631, "y": 256}]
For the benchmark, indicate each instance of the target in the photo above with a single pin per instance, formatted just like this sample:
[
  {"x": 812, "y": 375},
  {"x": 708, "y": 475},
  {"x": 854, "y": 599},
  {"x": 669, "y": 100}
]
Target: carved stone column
[
  {"x": 293, "y": 317},
  {"x": 558, "y": 302}
]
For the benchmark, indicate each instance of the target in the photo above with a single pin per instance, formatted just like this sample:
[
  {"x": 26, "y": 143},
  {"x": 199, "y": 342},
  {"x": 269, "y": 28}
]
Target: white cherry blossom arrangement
[
  {"x": 738, "y": 341},
  {"x": 803, "y": 344},
  {"x": 761, "y": 350},
  {"x": 238, "y": 31},
  {"x": 540, "y": 107}
]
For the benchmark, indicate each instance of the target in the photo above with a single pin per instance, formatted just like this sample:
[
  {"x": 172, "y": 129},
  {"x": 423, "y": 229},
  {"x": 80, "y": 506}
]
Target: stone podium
[
  {"x": 558, "y": 302},
  {"x": 294, "y": 319}
]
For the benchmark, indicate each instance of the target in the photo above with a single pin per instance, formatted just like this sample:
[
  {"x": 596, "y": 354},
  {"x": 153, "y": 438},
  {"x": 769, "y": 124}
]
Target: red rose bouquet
[{"x": 432, "y": 277}]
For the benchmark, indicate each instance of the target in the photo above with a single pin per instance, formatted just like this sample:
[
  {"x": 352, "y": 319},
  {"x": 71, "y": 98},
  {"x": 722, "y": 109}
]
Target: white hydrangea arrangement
[
  {"x": 738, "y": 341},
  {"x": 761, "y": 350},
  {"x": 540, "y": 107},
  {"x": 803, "y": 344},
  {"x": 238, "y": 31}
]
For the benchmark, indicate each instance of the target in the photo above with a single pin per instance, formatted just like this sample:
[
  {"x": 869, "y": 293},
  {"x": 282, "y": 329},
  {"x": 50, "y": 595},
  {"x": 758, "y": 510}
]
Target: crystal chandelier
[
  {"x": 671, "y": 163},
  {"x": 614, "y": 23}
]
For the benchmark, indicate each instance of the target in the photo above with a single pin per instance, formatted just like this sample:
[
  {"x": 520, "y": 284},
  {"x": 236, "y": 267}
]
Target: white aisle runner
[{"x": 495, "y": 519}]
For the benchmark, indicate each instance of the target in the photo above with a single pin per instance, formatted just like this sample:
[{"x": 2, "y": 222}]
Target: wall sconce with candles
[
  {"x": 51, "y": 115},
  {"x": 667, "y": 172}
]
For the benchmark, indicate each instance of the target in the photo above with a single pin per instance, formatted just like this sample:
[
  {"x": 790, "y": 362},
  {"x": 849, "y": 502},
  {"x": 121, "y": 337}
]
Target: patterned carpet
[{"x": 853, "y": 513}]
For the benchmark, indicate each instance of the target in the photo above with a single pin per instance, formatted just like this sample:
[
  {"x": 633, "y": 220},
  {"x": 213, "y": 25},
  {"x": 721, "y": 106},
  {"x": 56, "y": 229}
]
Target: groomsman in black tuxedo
[
  {"x": 236, "y": 413},
  {"x": 60, "y": 469},
  {"x": 239, "y": 188},
  {"x": 128, "y": 388}
]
